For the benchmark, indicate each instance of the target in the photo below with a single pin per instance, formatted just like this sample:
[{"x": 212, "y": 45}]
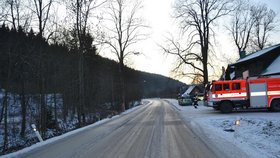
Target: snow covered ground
[
  {"x": 258, "y": 134},
  {"x": 54, "y": 105},
  {"x": 51, "y": 140}
]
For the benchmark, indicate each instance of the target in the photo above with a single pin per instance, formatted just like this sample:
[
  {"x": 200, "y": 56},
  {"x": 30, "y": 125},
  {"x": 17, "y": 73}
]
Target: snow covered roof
[
  {"x": 257, "y": 54},
  {"x": 189, "y": 90},
  {"x": 232, "y": 75},
  {"x": 273, "y": 68}
]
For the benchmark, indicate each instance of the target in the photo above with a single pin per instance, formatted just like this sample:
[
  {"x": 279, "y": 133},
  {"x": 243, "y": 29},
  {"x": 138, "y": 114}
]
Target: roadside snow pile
[
  {"x": 136, "y": 106},
  {"x": 260, "y": 133},
  {"x": 59, "y": 118}
]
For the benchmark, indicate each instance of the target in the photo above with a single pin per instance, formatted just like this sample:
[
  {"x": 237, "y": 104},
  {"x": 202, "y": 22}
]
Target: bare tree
[
  {"x": 82, "y": 10},
  {"x": 250, "y": 26},
  {"x": 241, "y": 26},
  {"x": 17, "y": 17},
  {"x": 123, "y": 30},
  {"x": 3, "y": 11},
  {"x": 197, "y": 19},
  {"x": 5, "y": 138},
  {"x": 5, "y": 100},
  {"x": 265, "y": 23},
  {"x": 16, "y": 14},
  {"x": 197, "y": 79},
  {"x": 42, "y": 10},
  {"x": 14, "y": 9}
]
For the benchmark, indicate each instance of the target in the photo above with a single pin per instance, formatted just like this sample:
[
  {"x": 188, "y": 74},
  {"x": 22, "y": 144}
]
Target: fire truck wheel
[
  {"x": 226, "y": 107},
  {"x": 275, "y": 105}
]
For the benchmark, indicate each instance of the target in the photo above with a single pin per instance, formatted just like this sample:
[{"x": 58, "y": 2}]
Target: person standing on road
[{"x": 195, "y": 100}]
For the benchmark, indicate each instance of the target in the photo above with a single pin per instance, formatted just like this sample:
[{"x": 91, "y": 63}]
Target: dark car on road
[{"x": 185, "y": 100}]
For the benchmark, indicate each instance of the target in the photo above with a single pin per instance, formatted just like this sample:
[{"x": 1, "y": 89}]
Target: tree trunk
[
  {"x": 5, "y": 106},
  {"x": 205, "y": 71},
  {"x": 5, "y": 138},
  {"x": 2, "y": 112},
  {"x": 204, "y": 50},
  {"x": 113, "y": 94},
  {"x": 54, "y": 98},
  {"x": 65, "y": 107},
  {"x": 23, "y": 110},
  {"x": 55, "y": 108},
  {"x": 43, "y": 127},
  {"x": 122, "y": 77},
  {"x": 81, "y": 115}
]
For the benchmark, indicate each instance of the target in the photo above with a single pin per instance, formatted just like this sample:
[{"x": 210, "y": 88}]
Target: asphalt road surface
[{"x": 152, "y": 131}]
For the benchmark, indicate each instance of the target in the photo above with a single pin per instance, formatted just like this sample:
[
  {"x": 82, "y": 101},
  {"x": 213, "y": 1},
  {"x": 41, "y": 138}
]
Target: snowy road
[{"x": 154, "y": 130}]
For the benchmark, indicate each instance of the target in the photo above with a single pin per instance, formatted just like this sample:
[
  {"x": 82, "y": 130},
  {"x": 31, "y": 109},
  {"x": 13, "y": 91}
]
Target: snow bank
[
  {"x": 52, "y": 140},
  {"x": 258, "y": 134}
]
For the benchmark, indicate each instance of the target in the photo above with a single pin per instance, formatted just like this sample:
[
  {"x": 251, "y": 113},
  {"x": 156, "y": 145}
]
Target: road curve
[{"x": 152, "y": 131}]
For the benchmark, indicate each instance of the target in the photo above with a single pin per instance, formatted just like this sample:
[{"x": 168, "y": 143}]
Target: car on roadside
[{"x": 185, "y": 100}]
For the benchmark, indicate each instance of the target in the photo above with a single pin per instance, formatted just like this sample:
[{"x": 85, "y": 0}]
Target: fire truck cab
[{"x": 250, "y": 93}]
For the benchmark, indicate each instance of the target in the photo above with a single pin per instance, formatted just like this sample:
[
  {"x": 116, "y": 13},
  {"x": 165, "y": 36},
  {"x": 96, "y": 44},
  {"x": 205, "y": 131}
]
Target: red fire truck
[{"x": 250, "y": 93}]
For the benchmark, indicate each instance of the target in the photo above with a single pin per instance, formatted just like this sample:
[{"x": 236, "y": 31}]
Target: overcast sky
[{"x": 157, "y": 14}]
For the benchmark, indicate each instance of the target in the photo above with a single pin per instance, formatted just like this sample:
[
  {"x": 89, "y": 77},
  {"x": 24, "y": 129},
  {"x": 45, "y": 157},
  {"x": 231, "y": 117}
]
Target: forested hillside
[{"x": 39, "y": 85}]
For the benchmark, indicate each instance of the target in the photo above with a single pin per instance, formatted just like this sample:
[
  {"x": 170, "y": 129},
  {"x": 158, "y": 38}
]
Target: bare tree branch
[
  {"x": 197, "y": 17},
  {"x": 264, "y": 24},
  {"x": 251, "y": 25},
  {"x": 127, "y": 27},
  {"x": 42, "y": 11},
  {"x": 16, "y": 13}
]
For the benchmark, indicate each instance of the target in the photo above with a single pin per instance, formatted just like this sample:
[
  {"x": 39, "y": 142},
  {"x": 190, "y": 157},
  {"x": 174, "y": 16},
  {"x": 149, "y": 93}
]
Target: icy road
[{"x": 155, "y": 130}]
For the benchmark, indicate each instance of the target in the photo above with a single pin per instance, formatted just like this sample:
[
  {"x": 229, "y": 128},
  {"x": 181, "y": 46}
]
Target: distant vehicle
[
  {"x": 251, "y": 93},
  {"x": 185, "y": 100}
]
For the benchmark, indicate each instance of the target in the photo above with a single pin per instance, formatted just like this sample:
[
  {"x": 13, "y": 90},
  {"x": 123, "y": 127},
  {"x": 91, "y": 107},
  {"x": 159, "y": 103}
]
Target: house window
[
  {"x": 236, "y": 86},
  {"x": 226, "y": 87}
]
